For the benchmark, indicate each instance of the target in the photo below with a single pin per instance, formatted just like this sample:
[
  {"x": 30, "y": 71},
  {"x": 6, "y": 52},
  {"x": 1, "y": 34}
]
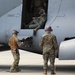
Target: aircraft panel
[
  {"x": 61, "y": 16},
  {"x": 9, "y": 22},
  {"x": 7, "y": 5}
]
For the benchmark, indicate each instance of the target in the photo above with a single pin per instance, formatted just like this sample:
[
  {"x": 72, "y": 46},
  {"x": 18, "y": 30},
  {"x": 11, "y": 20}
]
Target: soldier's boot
[
  {"x": 53, "y": 72},
  {"x": 45, "y": 72},
  {"x": 13, "y": 70},
  {"x": 18, "y": 70}
]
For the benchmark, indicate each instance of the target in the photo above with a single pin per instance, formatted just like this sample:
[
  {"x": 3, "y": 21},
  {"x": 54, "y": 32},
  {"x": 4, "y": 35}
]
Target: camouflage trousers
[
  {"x": 32, "y": 26},
  {"x": 16, "y": 57},
  {"x": 51, "y": 57}
]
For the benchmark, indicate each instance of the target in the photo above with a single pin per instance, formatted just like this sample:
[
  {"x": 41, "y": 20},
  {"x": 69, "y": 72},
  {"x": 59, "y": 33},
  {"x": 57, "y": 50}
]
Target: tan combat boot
[
  {"x": 53, "y": 72},
  {"x": 45, "y": 71}
]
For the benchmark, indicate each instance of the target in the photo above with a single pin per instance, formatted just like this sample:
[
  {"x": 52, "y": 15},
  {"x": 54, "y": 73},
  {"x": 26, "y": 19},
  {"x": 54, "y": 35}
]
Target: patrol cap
[
  {"x": 48, "y": 28},
  {"x": 15, "y": 32},
  {"x": 42, "y": 11}
]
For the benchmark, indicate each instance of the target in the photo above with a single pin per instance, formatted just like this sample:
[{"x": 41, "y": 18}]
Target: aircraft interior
[{"x": 30, "y": 10}]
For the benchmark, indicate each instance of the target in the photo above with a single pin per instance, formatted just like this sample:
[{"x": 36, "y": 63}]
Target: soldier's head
[
  {"x": 15, "y": 32},
  {"x": 42, "y": 12},
  {"x": 48, "y": 29}
]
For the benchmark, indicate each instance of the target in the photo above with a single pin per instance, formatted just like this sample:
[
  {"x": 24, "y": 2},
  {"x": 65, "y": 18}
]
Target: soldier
[
  {"x": 13, "y": 43},
  {"x": 49, "y": 46},
  {"x": 38, "y": 22}
]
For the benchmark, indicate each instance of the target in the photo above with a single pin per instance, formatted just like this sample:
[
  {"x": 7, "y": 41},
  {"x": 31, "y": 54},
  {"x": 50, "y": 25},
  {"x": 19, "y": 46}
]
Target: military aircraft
[{"x": 60, "y": 16}]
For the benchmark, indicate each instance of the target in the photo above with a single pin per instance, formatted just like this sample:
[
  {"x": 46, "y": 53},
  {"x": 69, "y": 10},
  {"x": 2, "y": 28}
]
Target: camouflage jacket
[{"x": 48, "y": 42}]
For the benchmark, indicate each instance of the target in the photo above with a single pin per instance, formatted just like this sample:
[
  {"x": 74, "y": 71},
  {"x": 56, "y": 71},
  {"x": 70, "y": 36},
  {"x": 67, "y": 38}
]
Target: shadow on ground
[{"x": 39, "y": 68}]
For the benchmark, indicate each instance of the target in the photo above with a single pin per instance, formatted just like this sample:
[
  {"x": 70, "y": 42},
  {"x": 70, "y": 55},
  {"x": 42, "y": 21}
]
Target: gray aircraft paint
[
  {"x": 7, "y": 5},
  {"x": 61, "y": 16}
]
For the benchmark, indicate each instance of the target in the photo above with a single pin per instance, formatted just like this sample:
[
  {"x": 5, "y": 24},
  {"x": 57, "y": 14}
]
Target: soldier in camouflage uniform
[
  {"x": 13, "y": 43},
  {"x": 38, "y": 22},
  {"x": 49, "y": 46}
]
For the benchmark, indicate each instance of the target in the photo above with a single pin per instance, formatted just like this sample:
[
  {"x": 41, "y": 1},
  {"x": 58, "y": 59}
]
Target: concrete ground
[{"x": 32, "y": 64}]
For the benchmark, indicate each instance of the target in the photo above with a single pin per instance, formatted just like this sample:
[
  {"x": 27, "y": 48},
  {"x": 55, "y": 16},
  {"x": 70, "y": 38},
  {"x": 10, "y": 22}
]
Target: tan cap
[
  {"x": 48, "y": 28},
  {"x": 15, "y": 32}
]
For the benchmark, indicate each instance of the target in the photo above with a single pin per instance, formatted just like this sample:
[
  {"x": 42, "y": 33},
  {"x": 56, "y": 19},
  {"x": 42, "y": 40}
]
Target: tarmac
[{"x": 32, "y": 64}]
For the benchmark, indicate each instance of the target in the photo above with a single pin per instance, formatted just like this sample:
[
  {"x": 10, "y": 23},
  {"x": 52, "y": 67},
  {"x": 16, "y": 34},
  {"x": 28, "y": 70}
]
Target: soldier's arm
[
  {"x": 41, "y": 43},
  {"x": 16, "y": 39},
  {"x": 55, "y": 44},
  {"x": 9, "y": 42}
]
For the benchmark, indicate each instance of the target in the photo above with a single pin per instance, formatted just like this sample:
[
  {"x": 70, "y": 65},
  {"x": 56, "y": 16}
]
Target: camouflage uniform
[
  {"x": 49, "y": 44},
  {"x": 38, "y": 22},
  {"x": 13, "y": 43}
]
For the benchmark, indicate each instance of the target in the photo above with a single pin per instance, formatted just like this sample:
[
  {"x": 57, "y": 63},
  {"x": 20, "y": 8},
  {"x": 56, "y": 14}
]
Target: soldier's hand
[
  {"x": 14, "y": 50},
  {"x": 56, "y": 53}
]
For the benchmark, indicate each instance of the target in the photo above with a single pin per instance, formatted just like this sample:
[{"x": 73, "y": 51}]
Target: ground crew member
[
  {"x": 13, "y": 43},
  {"x": 49, "y": 44}
]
